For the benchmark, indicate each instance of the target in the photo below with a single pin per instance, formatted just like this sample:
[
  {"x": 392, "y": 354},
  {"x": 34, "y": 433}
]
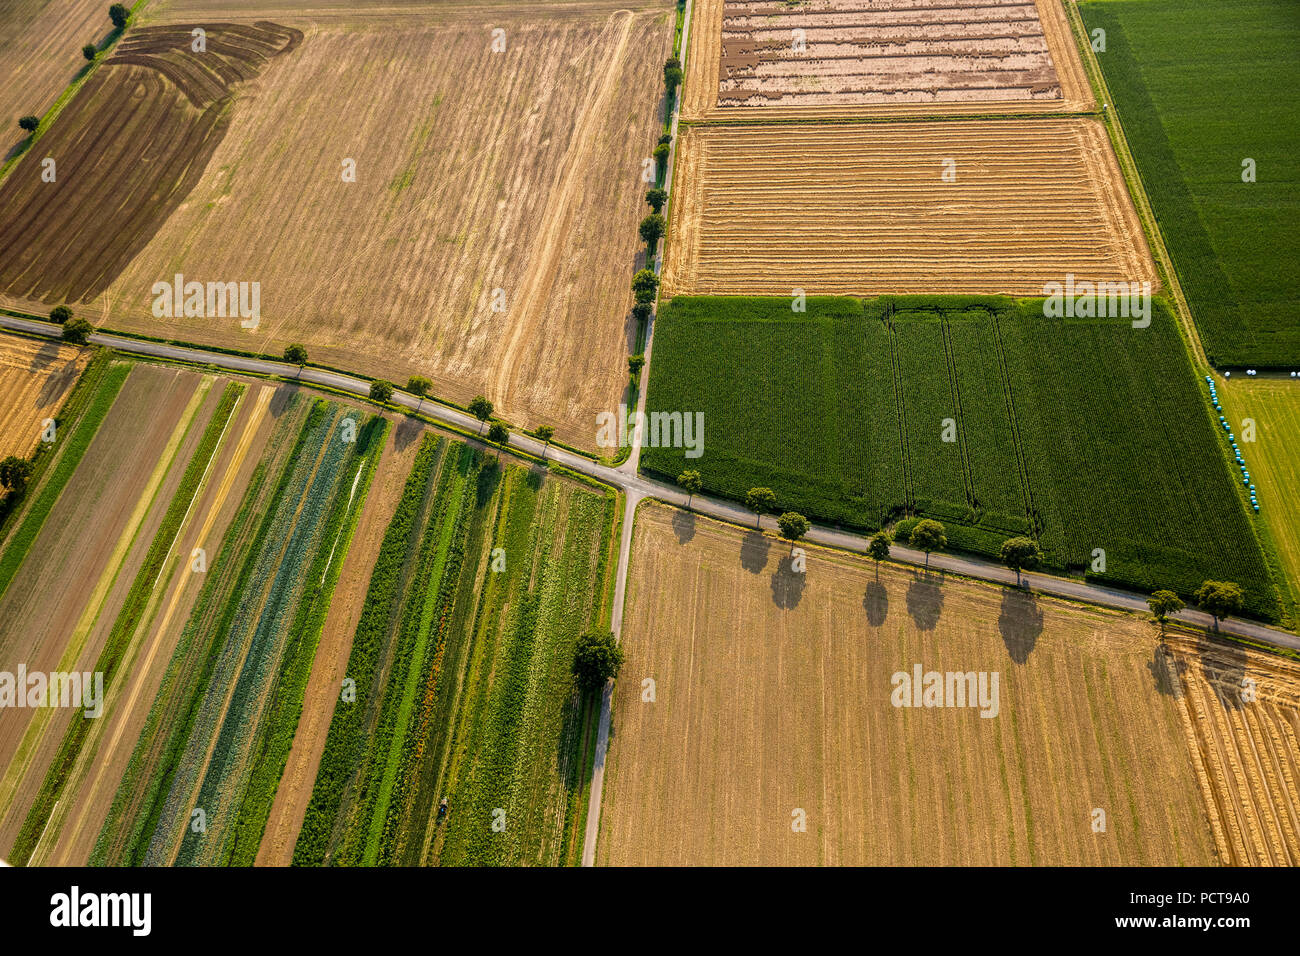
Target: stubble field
[
  {"x": 489, "y": 237},
  {"x": 131, "y": 144},
  {"x": 978, "y": 207},
  {"x": 35, "y": 378},
  {"x": 40, "y": 54},
  {"x": 1241, "y": 715},
  {"x": 773, "y": 695}
]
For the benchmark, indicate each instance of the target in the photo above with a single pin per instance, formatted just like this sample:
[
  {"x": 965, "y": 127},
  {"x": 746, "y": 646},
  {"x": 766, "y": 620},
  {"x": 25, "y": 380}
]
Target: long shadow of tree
[
  {"x": 876, "y": 603},
  {"x": 1021, "y": 622},
  {"x": 1165, "y": 671},
  {"x": 407, "y": 431},
  {"x": 683, "y": 525},
  {"x": 925, "y": 601},
  {"x": 788, "y": 585},
  {"x": 753, "y": 551}
]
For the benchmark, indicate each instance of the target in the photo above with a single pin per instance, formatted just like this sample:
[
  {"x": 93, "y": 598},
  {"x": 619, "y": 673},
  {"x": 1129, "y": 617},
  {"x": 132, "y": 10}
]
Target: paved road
[{"x": 636, "y": 488}]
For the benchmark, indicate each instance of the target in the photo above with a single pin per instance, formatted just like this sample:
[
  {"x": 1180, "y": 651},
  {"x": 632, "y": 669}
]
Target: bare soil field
[
  {"x": 130, "y": 145},
  {"x": 40, "y": 54},
  {"x": 980, "y": 207},
  {"x": 489, "y": 237},
  {"x": 774, "y": 704},
  {"x": 768, "y": 60},
  {"x": 35, "y": 378},
  {"x": 1241, "y": 716},
  {"x": 295, "y": 789}
]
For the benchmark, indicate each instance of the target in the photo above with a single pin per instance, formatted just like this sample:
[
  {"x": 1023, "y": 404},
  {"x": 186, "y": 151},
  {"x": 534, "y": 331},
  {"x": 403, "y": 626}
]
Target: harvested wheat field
[
  {"x": 40, "y": 54},
  {"x": 35, "y": 378},
  {"x": 773, "y": 695},
  {"x": 768, "y": 60},
  {"x": 129, "y": 146},
  {"x": 489, "y": 238},
  {"x": 1241, "y": 715},
  {"x": 980, "y": 207}
]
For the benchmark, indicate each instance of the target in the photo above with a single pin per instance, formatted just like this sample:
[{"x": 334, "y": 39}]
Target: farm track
[
  {"x": 35, "y": 379},
  {"x": 863, "y": 209}
]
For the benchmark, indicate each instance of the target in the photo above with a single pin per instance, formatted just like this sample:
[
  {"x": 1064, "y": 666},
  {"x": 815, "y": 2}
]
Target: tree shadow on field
[
  {"x": 1165, "y": 671},
  {"x": 56, "y": 383},
  {"x": 283, "y": 399},
  {"x": 925, "y": 601},
  {"x": 876, "y": 603},
  {"x": 683, "y": 525},
  {"x": 1020, "y": 622},
  {"x": 406, "y": 432},
  {"x": 45, "y": 356},
  {"x": 571, "y": 748},
  {"x": 1223, "y": 666},
  {"x": 753, "y": 551},
  {"x": 489, "y": 477},
  {"x": 788, "y": 585}
]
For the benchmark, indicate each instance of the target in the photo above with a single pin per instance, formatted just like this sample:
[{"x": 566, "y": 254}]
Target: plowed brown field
[
  {"x": 35, "y": 378},
  {"x": 1241, "y": 715},
  {"x": 865, "y": 209},
  {"x": 476, "y": 171},
  {"x": 768, "y": 60},
  {"x": 773, "y": 694},
  {"x": 131, "y": 145}
]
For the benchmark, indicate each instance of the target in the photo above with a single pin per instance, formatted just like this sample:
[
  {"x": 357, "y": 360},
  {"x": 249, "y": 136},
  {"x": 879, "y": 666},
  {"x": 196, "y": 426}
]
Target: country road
[{"x": 638, "y": 487}]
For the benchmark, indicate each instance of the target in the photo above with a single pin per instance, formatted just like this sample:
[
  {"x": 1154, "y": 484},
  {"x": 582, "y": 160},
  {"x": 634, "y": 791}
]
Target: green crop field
[
  {"x": 220, "y": 728},
  {"x": 1089, "y": 434},
  {"x": 486, "y": 576},
  {"x": 1200, "y": 89}
]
